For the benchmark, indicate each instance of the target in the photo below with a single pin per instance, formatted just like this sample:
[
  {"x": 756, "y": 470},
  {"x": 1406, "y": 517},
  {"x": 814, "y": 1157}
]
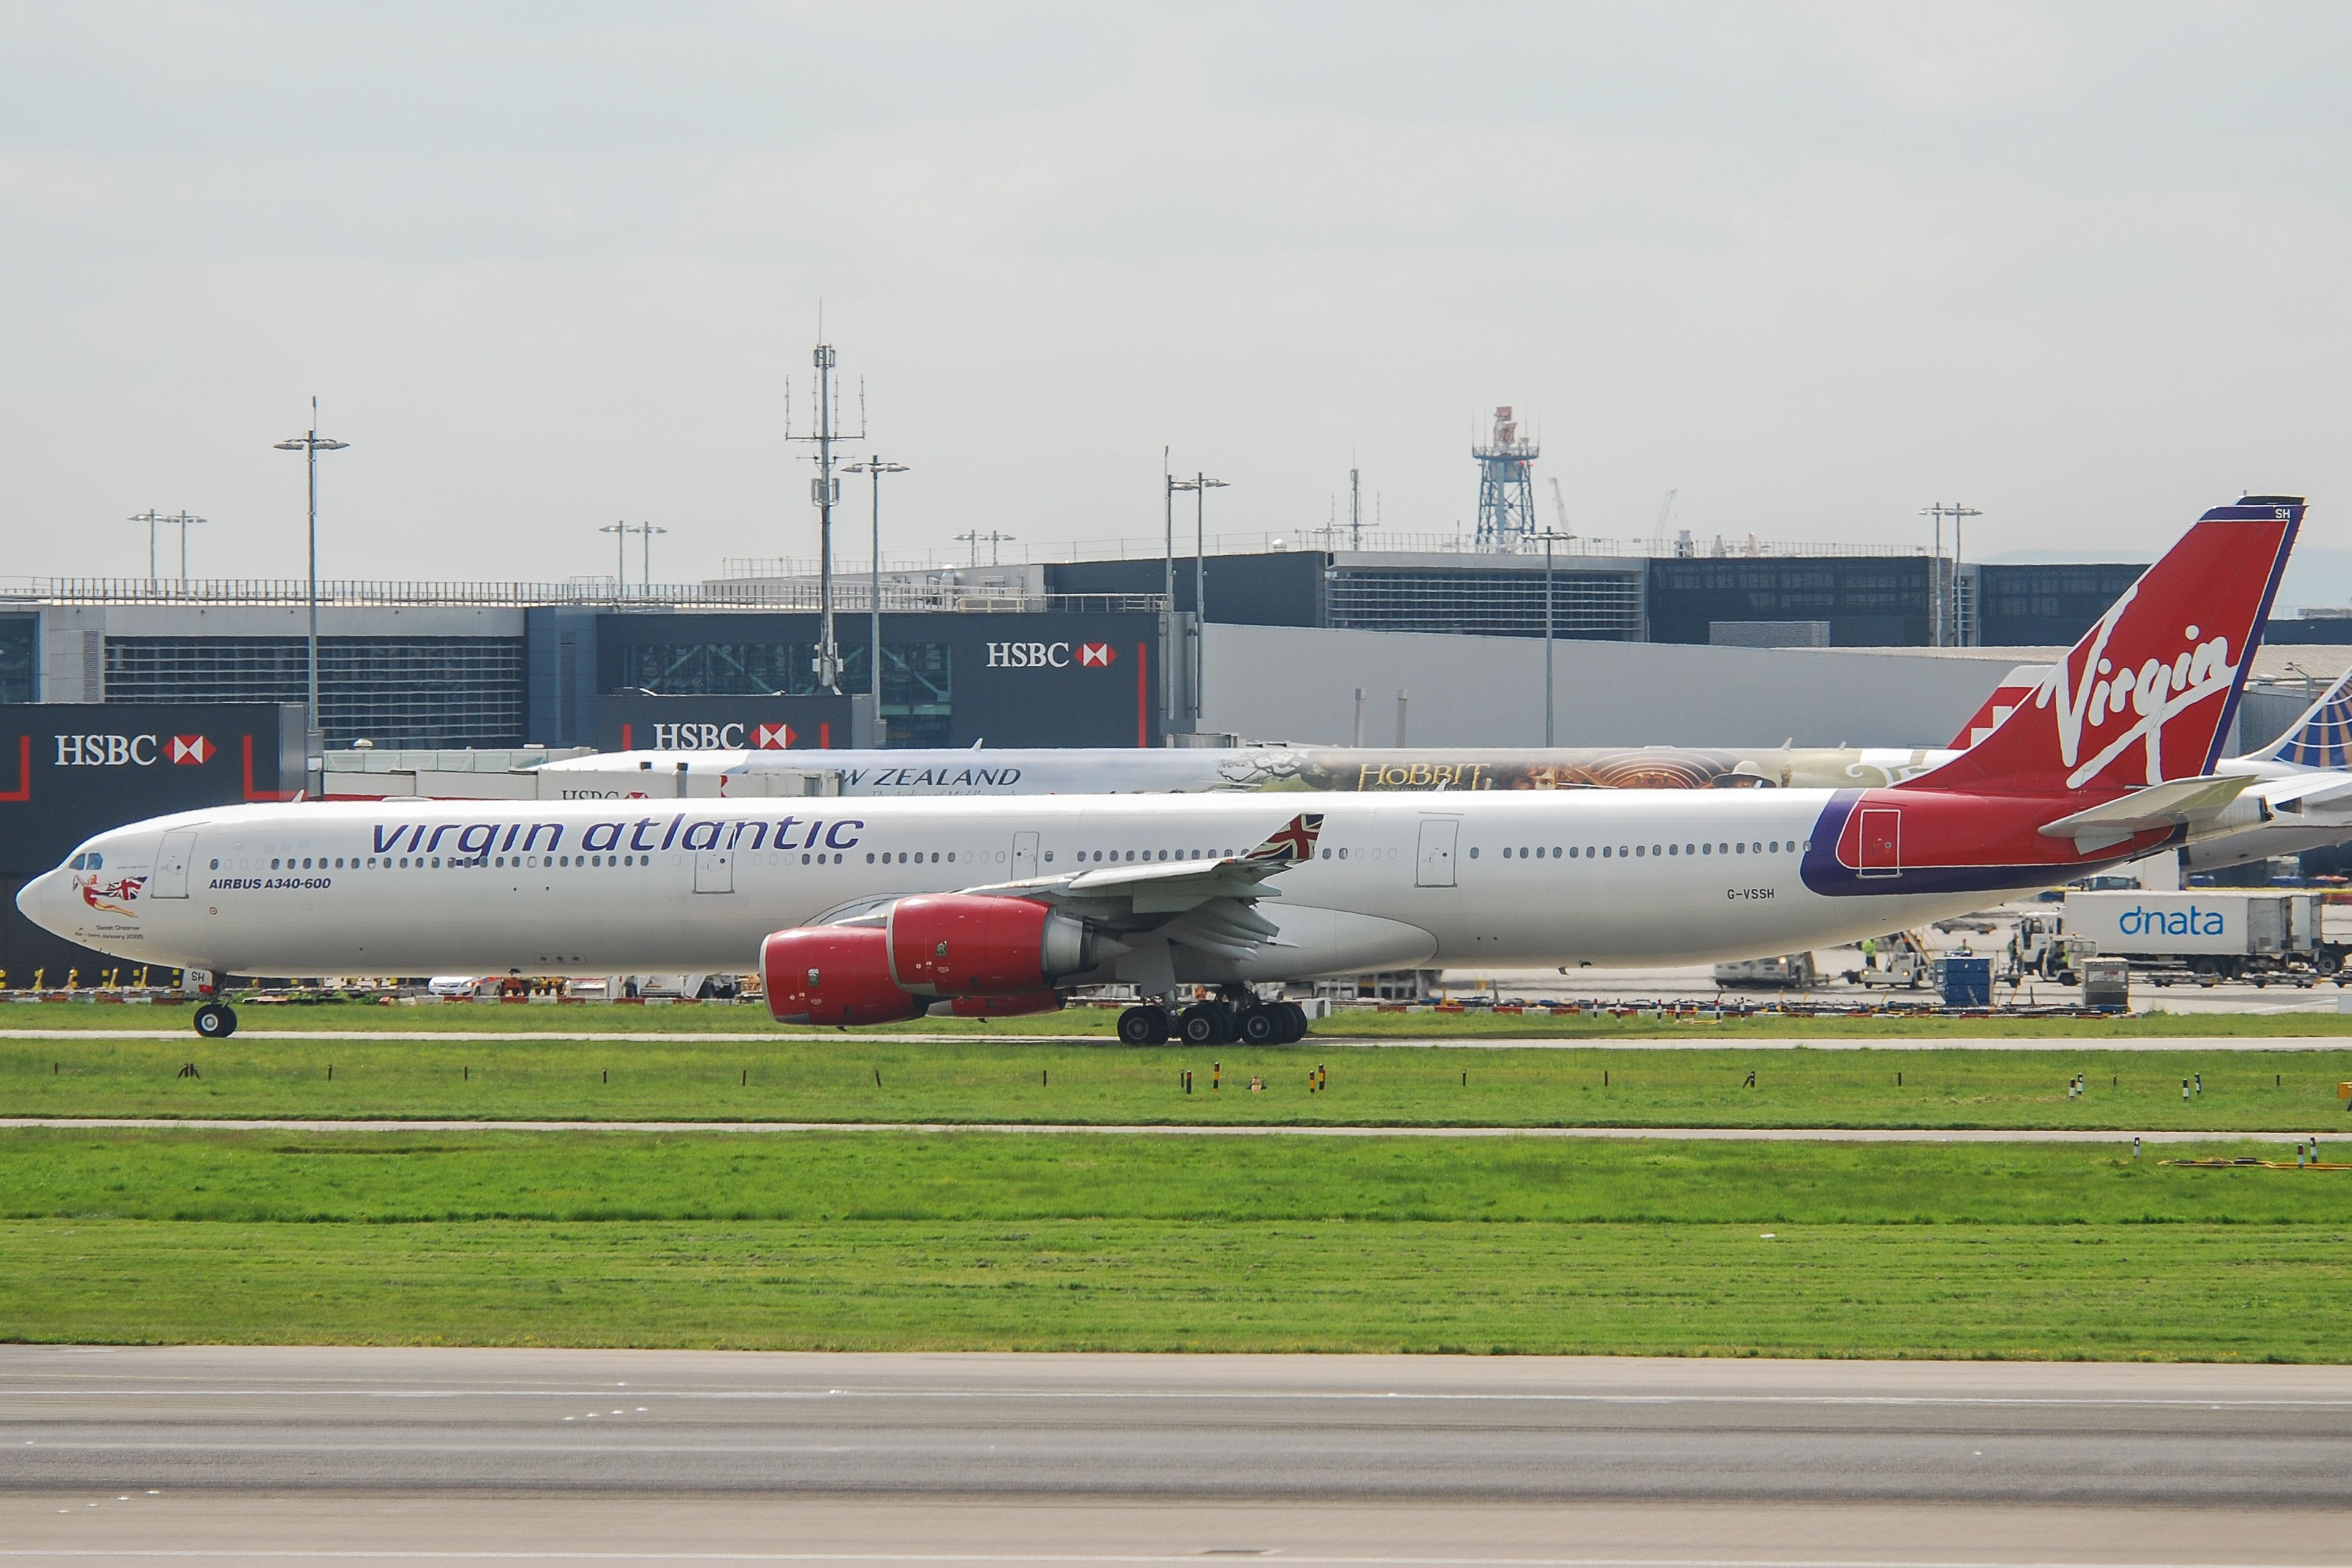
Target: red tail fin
[{"x": 2147, "y": 694}]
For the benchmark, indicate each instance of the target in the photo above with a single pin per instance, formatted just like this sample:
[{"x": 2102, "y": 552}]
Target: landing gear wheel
[
  {"x": 1205, "y": 1024},
  {"x": 1296, "y": 1015},
  {"x": 1143, "y": 1026},
  {"x": 215, "y": 1021},
  {"x": 1265, "y": 1026}
]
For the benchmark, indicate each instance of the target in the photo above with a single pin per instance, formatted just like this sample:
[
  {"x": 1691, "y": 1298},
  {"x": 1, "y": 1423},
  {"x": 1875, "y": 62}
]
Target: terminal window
[
  {"x": 403, "y": 691},
  {"x": 1596, "y": 606},
  {"x": 16, "y": 657}
]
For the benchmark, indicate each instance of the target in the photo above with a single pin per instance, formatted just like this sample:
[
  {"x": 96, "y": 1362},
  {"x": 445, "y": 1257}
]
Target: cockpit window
[{"x": 87, "y": 860}]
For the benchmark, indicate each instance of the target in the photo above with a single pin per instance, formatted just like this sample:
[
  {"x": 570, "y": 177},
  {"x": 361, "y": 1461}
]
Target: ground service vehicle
[
  {"x": 1901, "y": 962},
  {"x": 873, "y": 909},
  {"x": 1788, "y": 971},
  {"x": 2207, "y": 933}
]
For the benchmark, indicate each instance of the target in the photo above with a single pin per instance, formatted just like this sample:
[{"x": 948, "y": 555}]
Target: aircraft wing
[
  {"x": 1170, "y": 888},
  {"x": 1201, "y": 904}
]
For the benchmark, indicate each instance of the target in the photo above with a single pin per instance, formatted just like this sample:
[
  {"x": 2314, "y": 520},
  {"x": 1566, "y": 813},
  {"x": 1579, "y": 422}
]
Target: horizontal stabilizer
[
  {"x": 2177, "y": 803},
  {"x": 2327, "y": 791}
]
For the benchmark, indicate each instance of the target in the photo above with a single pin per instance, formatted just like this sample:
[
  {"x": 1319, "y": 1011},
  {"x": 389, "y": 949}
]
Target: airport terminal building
[{"x": 1820, "y": 644}]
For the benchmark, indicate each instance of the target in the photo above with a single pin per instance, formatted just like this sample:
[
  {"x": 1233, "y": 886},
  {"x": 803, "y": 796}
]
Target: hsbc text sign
[
  {"x": 696, "y": 737},
  {"x": 120, "y": 751},
  {"x": 1051, "y": 655}
]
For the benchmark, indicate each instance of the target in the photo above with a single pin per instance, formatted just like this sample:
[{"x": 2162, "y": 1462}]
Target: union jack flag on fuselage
[{"x": 1295, "y": 840}]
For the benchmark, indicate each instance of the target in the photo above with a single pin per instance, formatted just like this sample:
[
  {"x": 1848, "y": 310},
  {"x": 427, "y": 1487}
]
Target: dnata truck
[{"x": 2206, "y": 935}]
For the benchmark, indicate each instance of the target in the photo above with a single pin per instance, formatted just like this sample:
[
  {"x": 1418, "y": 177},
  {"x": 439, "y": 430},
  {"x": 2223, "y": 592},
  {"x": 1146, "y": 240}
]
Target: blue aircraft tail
[{"x": 2322, "y": 738}]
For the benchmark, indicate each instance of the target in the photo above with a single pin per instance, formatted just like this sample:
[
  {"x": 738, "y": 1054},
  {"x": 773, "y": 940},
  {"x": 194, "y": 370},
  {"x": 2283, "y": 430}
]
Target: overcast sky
[{"x": 546, "y": 267}]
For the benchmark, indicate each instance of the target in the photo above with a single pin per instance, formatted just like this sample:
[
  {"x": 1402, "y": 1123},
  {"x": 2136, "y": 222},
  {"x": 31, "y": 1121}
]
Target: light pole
[
  {"x": 1550, "y": 536},
  {"x": 1945, "y": 606},
  {"x": 1168, "y": 597},
  {"x": 877, "y": 467},
  {"x": 150, "y": 517},
  {"x": 181, "y": 520},
  {"x": 645, "y": 531},
  {"x": 1200, "y": 485},
  {"x": 310, "y": 444},
  {"x": 620, "y": 532}
]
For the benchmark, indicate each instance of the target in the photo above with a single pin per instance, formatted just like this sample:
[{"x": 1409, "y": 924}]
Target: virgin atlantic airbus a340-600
[{"x": 860, "y": 912}]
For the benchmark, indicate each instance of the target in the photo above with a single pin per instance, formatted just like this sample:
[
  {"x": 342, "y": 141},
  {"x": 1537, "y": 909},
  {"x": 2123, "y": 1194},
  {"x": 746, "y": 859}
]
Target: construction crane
[
  {"x": 1665, "y": 515},
  {"x": 1560, "y": 508}
]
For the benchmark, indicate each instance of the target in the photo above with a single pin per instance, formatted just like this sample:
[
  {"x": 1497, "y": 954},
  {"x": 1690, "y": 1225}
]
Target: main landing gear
[
  {"x": 1215, "y": 1023},
  {"x": 215, "y": 1021}
]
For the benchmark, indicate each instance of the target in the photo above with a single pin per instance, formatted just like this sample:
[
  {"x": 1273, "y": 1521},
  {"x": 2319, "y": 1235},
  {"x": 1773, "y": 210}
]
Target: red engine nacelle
[
  {"x": 833, "y": 974},
  {"x": 962, "y": 945},
  {"x": 1005, "y": 1006}
]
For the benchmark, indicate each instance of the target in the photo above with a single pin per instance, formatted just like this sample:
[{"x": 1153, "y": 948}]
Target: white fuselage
[{"x": 1608, "y": 878}]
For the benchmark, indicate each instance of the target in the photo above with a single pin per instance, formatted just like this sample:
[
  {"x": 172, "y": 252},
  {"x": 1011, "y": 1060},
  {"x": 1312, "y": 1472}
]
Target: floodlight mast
[
  {"x": 1551, "y": 536},
  {"x": 180, "y": 520},
  {"x": 150, "y": 517},
  {"x": 310, "y": 444},
  {"x": 1200, "y": 484},
  {"x": 874, "y": 468}
]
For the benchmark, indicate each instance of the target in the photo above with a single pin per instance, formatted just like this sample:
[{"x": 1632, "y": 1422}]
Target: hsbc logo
[
  {"x": 110, "y": 750},
  {"x": 191, "y": 750},
  {"x": 772, "y": 737},
  {"x": 701, "y": 737},
  {"x": 1050, "y": 655}
]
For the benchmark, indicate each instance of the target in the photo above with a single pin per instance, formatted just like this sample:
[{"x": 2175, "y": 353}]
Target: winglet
[
  {"x": 2322, "y": 738},
  {"x": 1295, "y": 840}
]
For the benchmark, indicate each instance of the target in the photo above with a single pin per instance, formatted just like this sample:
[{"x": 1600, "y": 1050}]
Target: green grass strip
[
  {"x": 827, "y": 1177},
  {"x": 2184, "y": 1292},
  {"x": 876, "y": 1078}
]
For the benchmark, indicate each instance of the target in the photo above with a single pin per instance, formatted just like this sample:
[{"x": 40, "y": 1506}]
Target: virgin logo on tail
[
  {"x": 2146, "y": 695},
  {"x": 2157, "y": 692}
]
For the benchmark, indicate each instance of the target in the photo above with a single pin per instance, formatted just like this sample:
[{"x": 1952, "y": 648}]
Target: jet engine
[
  {"x": 1005, "y": 1007},
  {"x": 833, "y": 974},
  {"x": 965, "y": 944}
]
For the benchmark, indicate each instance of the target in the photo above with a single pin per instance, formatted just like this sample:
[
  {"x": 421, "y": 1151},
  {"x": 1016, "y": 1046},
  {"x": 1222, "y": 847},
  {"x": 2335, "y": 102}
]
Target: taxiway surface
[{"x": 336, "y": 1454}]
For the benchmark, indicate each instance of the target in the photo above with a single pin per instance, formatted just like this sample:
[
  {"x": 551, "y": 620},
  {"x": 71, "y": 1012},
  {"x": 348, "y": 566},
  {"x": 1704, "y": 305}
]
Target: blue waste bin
[{"x": 1968, "y": 981}]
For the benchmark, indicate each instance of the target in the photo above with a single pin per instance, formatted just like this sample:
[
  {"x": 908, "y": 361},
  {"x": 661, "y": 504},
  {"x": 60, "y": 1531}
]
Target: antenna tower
[
  {"x": 825, "y": 491},
  {"x": 1506, "y": 487}
]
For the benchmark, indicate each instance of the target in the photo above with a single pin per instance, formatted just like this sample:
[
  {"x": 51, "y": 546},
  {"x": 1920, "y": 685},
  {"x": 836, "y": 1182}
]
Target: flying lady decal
[{"x": 104, "y": 896}]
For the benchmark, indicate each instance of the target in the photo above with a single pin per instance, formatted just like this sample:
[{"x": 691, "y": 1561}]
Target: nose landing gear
[{"x": 215, "y": 1021}]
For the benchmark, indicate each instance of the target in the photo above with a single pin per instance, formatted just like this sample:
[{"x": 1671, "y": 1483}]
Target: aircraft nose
[{"x": 36, "y": 900}]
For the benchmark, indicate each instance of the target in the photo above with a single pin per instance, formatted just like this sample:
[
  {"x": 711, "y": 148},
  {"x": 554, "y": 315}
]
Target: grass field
[
  {"x": 876, "y": 1079},
  {"x": 1034, "y": 1241},
  {"x": 1099, "y": 1023}
]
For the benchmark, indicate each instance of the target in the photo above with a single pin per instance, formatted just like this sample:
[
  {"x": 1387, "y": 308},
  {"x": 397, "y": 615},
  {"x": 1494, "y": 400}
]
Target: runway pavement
[
  {"x": 2330, "y": 1132},
  {"x": 334, "y": 1454}
]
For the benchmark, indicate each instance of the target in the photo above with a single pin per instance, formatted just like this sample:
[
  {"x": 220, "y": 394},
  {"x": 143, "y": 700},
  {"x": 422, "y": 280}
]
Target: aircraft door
[
  {"x": 1438, "y": 837},
  {"x": 714, "y": 870},
  {"x": 1881, "y": 841},
  {"x": 1024, "y": 854},
  {"x": 171, "y": 877}
]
